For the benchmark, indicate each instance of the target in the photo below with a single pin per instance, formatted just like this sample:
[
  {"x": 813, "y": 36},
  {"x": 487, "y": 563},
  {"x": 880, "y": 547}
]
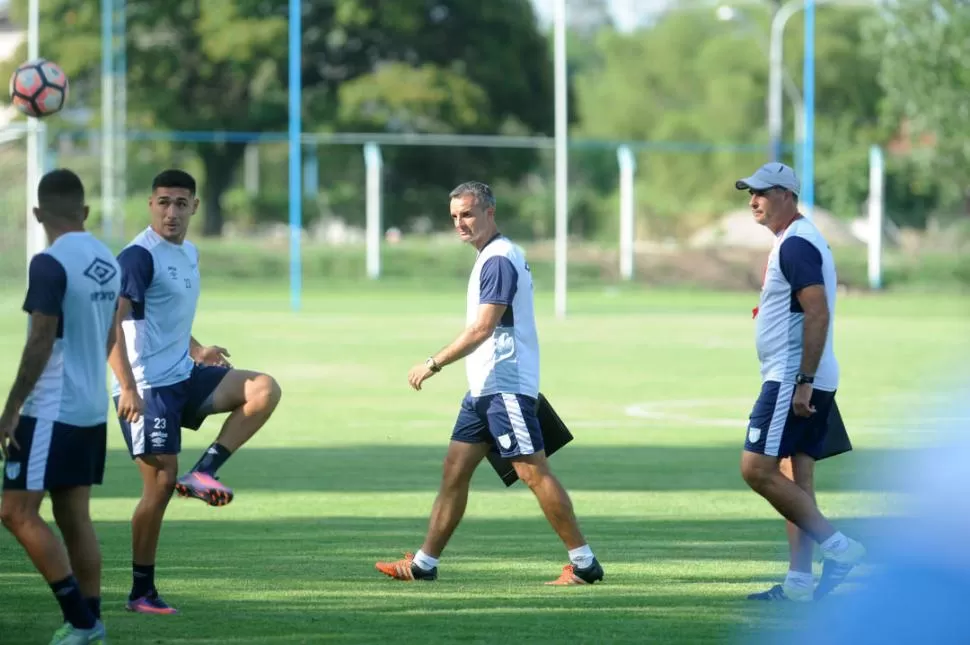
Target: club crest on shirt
[
  {"x": 754, "y": 434},
  {"x": 13, "y": 469}
]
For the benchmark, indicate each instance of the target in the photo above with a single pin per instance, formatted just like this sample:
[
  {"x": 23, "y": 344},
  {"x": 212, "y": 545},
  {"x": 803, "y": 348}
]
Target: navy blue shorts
[
  {"x": 170, "y": 408},
  {"x": 55, "y": 455},
  {"x": 507, "y": 421},
  {"x": 775, "y": 430}
]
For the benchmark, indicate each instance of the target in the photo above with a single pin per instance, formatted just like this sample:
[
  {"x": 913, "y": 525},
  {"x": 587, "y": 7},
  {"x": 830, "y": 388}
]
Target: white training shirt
[
  {"x": 508, "y": 361},
  {"x": 161, "y": 280},
  {"x": 800, "y": 257},
  {"x": 77, "y": 279}
]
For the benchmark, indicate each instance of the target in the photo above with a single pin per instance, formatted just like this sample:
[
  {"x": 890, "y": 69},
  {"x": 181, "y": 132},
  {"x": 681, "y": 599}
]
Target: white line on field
[{"x": 679, "y": 411}]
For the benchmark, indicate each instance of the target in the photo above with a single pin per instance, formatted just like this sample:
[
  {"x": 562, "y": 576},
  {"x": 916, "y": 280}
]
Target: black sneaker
[
  {"x": 572, "y": 575},
  {"x": 405, "y": 569}
]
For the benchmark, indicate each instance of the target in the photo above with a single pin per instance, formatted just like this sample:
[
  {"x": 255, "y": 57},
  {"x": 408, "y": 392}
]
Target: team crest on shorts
[
  {"x": 13, "y": 469},
  {"x": 754, "y": 434},
  {"x": 505, "y": 441}
]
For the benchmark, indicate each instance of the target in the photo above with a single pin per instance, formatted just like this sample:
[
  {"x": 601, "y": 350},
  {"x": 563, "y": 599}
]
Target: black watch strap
[{"x": 801, "y": 379}]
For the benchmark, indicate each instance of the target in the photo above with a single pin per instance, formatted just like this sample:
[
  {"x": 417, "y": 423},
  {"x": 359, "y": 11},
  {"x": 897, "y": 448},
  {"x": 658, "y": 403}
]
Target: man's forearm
[
  {"x": 466, "y": 343},
  {"x": 32, "y": 363},
  {"x": 814, "y": 334},
  {"x": 194, "y": 347},
  {"x": 118, "y": 360}
]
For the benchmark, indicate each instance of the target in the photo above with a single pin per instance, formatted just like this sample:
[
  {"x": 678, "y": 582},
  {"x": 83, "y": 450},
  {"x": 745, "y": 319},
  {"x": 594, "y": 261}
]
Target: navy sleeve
[
  {"x": 499, "y": 280},
  {"x": 46, "y": 286},
  {"x": 137, "y": 271},
  {"x": 801, "y": 263}
]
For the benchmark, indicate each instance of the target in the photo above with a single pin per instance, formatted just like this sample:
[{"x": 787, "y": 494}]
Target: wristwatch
[
  {"x": 432, "y": 364},
  {"x": 801, "y": 379}
]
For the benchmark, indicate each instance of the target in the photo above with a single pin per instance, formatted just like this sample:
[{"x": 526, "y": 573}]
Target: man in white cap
[{"x": 789, "y": 422}]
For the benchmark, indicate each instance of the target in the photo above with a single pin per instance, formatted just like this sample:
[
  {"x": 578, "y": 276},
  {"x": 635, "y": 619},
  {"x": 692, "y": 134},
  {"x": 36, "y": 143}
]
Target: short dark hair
[
  {"x": 481, "y": 191},
  {"x": 61, "y": 193},
  {"x": 174, "y": 178}
]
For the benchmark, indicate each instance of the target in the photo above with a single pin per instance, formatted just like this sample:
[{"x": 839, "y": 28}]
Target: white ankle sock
[
  {"x": 424, "y": 561},
  {"x": 799, "y": 580},
  {"x": 581, "y": 557},
  {"x": 835, "y": 544}
]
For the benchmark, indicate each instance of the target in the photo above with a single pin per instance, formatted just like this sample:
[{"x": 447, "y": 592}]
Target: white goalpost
[
  {"x": 627, "y": 165},
  {"x": 114, "y": 148},
  {"x": 877, "y": 174}
]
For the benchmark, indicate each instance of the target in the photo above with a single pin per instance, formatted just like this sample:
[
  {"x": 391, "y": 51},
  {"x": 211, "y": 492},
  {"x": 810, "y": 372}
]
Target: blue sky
[{"x": 626, "y": 13}]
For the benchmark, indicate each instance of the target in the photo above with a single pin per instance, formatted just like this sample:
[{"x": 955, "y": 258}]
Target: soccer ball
[{"x": 39, "y": 88}]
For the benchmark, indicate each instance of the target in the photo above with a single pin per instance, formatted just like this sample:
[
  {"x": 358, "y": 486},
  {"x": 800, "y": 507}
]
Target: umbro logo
[{"x": 100, "y": 271}]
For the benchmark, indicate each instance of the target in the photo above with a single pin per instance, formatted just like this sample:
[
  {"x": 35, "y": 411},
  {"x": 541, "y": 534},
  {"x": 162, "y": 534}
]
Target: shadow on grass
[
  {"x": 304, "y": 581},
  {"x": 417, "y": 468}
]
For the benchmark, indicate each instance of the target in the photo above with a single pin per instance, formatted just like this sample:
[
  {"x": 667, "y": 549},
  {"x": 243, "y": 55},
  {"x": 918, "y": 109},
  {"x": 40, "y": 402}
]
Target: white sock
[
  {"x": 581, "y": 557},
  {"x": 424, "y": 561},
  {"x": 799, "y": 580},
  {"x": 835, "y": 544}
]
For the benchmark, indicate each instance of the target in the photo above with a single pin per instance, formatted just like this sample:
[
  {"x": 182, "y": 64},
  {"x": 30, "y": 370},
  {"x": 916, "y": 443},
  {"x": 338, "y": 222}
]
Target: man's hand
[
  {"x": 130, "y": 405},
  {"x": 8, "y": 425},
  {"x": 802, "y": 401},
  {"x": 212, "y": 355},
  {"x": 419, "y": 374}
]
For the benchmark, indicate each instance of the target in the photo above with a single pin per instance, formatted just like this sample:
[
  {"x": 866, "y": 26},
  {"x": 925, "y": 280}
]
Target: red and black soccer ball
[{"x": 39, "y": 88}]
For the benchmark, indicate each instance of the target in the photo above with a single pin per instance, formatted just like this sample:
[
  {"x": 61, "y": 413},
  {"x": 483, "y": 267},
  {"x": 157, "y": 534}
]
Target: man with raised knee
[{"x": 159, "y": 364}]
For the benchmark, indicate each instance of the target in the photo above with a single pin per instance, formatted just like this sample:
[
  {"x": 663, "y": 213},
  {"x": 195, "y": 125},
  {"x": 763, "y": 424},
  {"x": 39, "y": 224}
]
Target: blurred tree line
[{"x": 893, "y": 76}]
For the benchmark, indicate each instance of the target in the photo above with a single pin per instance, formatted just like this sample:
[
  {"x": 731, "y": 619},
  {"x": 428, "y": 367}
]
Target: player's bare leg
[
  {"x": 20, "y": 514},
  {"x": 763, "y": 474},
  {"x": 250, "y": 398},
  {"x": 534, "y": 471},
  {"x": 449, "y": 507},
  {"x": 799, "y": 583},
  {"x": 801, "y": 470},
  {"x": 72, "y": 513},
  {"x": 158, "y": 474}
]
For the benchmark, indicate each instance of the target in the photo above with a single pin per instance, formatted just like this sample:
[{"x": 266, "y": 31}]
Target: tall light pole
[
  {"x": 36, "y": 237},
  {"x": 727, "y": 13},
  {"x": 775, "y": 61},
  {"x": 776, "y": 71},
  {"x": 562, "y": 159}
]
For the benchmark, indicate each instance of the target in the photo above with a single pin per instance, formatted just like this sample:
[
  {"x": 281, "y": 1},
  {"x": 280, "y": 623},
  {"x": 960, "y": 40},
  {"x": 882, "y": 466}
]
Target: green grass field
[{"x": 656, "y": 387}]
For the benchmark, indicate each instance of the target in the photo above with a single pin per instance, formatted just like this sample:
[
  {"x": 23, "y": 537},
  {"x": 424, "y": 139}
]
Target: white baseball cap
[{"x": 770, "y": 175}]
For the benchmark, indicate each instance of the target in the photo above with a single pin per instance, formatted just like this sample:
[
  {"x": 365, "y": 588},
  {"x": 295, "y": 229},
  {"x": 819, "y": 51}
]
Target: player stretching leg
[
  {"x": 499, "y": 412},
  {"x": 180, "y": 380},
  {"x": 800, "y": 375},
  {"x": 56, "y": 413}
]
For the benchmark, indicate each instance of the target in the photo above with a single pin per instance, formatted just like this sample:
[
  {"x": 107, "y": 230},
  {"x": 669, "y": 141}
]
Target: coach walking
[{"x": 800, "y": 374}]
